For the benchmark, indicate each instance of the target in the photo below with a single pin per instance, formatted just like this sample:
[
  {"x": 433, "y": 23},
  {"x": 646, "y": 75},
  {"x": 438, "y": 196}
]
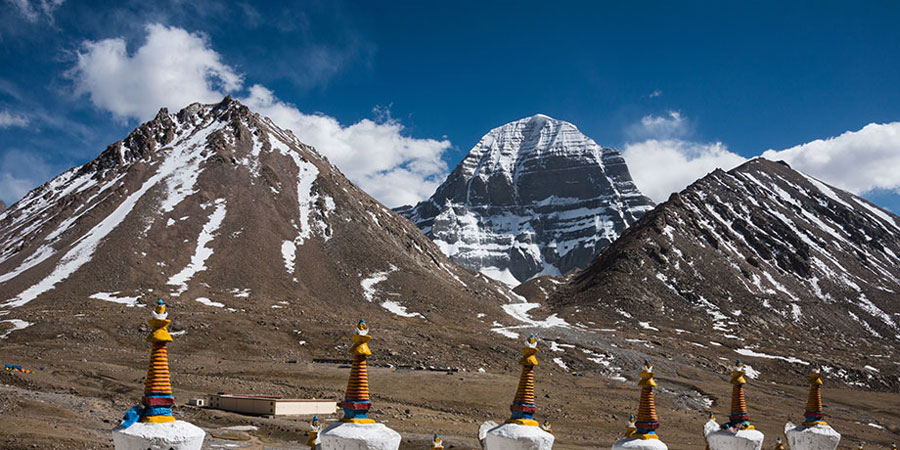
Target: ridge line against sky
[{"x": 99, "y": 84}]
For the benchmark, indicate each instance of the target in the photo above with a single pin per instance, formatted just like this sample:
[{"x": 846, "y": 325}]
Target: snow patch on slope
[
  {"x": 17, "y": 324},
  {"x": 201, "y": 253},
  {"x": 115, "y": 298}
]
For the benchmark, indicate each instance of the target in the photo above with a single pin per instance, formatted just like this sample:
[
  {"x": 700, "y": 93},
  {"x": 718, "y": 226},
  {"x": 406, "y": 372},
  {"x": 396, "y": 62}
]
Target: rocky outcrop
[{"x": 533, "y": 197}]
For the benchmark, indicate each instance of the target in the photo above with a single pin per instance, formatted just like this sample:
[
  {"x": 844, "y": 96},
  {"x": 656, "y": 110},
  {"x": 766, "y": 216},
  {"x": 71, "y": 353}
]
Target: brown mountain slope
[
  {"x": 251, "y": 235},
  {"x": 760, "y": 262}
]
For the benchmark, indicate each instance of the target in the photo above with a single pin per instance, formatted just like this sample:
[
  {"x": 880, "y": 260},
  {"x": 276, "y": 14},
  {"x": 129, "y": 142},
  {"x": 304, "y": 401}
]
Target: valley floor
[{"x": 76, "y": 401}]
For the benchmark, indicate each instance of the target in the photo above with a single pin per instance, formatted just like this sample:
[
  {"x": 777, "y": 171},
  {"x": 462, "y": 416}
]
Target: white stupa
[
  {"x": 356, "y": 431},
  {"x": 521, "y": 431},
  {"x": 641, "y": 434},
  {"x": 813, "y": 433},
  {"x": 150, "y": 425},
  {"x": 737, "y": 433}
]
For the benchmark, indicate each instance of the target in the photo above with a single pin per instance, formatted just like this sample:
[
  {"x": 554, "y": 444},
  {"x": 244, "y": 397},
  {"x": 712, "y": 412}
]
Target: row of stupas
[
  {"x": 151, "y": 425},
  {"x": 739, "y": 434}
]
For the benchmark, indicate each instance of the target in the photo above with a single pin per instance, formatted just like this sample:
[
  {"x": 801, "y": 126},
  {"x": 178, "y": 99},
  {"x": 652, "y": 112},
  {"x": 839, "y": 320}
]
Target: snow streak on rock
[{"x": 202, "y": 252}]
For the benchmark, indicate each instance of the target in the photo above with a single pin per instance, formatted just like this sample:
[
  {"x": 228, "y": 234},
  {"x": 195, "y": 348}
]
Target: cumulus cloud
[
  {"x": 857, "y": 161},
  {"x": 393, "y": 168},
  {"x": 661, "y": 167},
  {"x": 669, "y": 126},
  {"x": 33, "y": 10},
  {"x": 174, "y": 68},
  {"x": 8, "y": 119}
]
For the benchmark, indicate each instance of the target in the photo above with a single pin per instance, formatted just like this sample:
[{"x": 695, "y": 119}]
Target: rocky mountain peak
[
  {"x": 220, "y": 210},
  {"x": 534, "y": 196}
]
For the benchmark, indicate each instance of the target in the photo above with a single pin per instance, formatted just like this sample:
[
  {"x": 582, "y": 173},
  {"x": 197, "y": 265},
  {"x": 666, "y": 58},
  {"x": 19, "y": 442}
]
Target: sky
[{"x": 396, "y": 93}]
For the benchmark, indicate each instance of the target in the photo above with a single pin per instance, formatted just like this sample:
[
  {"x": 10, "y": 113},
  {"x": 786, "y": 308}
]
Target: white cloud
[
  {"x": 8, "y": 119},
  {"x": 393, "y": 168},
  {"x": 655, "y": 93},
  {"x": 661, "y": 167},
  {"x": 671, "y": 125},
  {"x": 857, "y": 161},
  {"x": 174, "y": 68},
  {"x": 32, "y": 10}
]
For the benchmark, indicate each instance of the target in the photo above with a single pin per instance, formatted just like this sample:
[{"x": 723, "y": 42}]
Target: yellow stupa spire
[
  {"x": 356, "y": 402},
  {"x": 739, "y": 417},
  {"x": 647, "y": 420},
  {"x": 523, "y": 408},
  {"x": 158, "y": 399},
  {"x": 814, "y": 414},
  {"x": 546, "y": 426}
]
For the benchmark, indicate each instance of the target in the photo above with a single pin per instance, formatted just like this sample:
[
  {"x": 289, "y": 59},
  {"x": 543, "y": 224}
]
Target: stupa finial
[
  {"x": 523, "y": 408},
  {"x": 778, "y": 444},
  {"x": 739, "y": 417},
  {"x": 630, "y": 427},
  {"x": 546, "y": 426},
  {"x": 356, "y": 402},
  {"x": 313, "y": 433},
  {"x": 437, "y": 443}
]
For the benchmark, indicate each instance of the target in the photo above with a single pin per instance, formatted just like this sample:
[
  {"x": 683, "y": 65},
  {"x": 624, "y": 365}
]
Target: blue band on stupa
[
  {"x": 522, "y": 410},
  {"x": 355, "y": 408}
]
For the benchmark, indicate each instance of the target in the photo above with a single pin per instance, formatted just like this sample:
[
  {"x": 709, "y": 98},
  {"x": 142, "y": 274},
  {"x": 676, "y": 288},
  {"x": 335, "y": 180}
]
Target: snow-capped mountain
[
  {"x": 220, "y": 211},
  {"x": 533, "y": 197},
  {"x": 762, "y": 260}
]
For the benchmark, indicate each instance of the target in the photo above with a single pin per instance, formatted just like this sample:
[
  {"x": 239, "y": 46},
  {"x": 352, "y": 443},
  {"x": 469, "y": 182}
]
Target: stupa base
[
  {"x": 512, "y": 436},
  {"x": 633, "y": 443},
  {"x": 359, "y": 436},
  {"x": 816, "y": 437},
  {"x": 742, "y": 440},
  {"x": 177, "y": 435}
]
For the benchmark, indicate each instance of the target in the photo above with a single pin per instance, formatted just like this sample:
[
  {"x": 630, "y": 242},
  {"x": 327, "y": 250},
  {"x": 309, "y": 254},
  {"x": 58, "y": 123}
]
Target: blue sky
[{"x": 396, "y": 93}]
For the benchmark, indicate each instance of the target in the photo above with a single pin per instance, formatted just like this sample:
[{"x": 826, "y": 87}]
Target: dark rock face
[
  {"x": 220, "y": 211},
  {"x": 2, "y": 206},
  {"x": 533, "y": 197},
  {"x": 762, "y": 260}
]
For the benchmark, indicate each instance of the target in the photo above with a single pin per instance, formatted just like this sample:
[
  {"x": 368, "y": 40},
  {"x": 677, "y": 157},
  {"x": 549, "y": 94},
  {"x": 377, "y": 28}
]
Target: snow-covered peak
[
  {"x": 534, "y": 196},
  {"x": 505, "y": 148}
]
